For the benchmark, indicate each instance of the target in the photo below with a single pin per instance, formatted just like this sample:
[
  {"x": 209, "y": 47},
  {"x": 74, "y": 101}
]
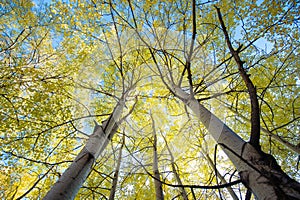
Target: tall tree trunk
[
  {"x": 259, "y": 171},
  {"x": 157, "y": 183},
  {"x": 116, "y": 175},
  {"x": 72, "y": 179}
]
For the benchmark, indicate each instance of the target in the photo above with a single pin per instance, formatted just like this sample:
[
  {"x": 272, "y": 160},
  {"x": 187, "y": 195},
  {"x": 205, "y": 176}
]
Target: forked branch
[{"x": 255, "y": 110}]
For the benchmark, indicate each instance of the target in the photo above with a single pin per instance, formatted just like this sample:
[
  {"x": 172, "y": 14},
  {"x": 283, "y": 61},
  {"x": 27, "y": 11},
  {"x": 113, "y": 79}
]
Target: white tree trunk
[
  {"x": 72, "y": 179},
  {"x": 157, "y": 182},
  {"x": 116, "y": 175},
  {"x": 258, "y": 171}
]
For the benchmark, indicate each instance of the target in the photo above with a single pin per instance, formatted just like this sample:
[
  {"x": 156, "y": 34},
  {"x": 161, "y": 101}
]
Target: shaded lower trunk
[
  {"x": 258, "y": 171},
  {"x": 70, "y": 182}
]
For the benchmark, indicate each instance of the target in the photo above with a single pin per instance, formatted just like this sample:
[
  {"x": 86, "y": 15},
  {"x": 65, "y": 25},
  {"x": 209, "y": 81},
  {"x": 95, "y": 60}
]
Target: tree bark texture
[
  {"x": 258, "y": 171},
  {"x": 157, "y": 183},
  {"x": 72, "y": 179}
]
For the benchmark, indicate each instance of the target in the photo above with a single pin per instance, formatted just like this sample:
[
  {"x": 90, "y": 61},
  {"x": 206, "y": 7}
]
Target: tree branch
[
  {"x": 255, "y": 110},
  {"x": 187, "y": 186}
]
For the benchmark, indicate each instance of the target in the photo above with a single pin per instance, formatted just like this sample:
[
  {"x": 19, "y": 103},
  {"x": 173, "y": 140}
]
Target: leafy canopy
[{"x": 64, "y": 64}]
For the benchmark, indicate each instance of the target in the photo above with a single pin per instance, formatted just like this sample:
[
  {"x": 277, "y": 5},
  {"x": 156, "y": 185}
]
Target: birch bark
[
  {"x": 157, "y": 183},
  {"x": 259, "y": 171},
  {"x": 72, "y": 179}
]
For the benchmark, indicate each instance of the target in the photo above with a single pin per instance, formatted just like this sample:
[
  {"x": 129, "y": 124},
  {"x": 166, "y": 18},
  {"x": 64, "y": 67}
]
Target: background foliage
[{"x": 65, "y": 63}]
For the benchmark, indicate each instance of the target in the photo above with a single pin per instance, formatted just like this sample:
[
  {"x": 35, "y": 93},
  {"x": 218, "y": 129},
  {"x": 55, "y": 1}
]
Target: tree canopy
[{"x": 66, "y": 66}]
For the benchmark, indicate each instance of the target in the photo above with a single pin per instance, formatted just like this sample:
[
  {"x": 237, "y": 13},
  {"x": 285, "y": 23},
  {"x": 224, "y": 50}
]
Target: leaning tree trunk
[
  {"x": 72, "y": 179},
  {"x": 116, "y": 174},
  {"x": 157, "y": 182},
  {"x": 258, "y": 171}
]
